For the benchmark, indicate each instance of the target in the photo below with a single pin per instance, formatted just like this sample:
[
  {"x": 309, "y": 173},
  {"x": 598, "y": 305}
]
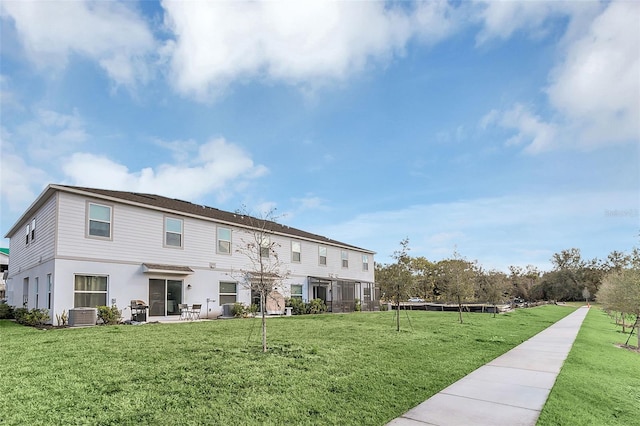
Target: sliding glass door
[{"x": 164, "y": 297}]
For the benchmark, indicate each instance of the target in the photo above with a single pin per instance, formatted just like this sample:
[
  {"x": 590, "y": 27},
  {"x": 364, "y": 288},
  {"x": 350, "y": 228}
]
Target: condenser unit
[
  {"x": 227, "y": 310},
  {"x": 82, "y": 317}
]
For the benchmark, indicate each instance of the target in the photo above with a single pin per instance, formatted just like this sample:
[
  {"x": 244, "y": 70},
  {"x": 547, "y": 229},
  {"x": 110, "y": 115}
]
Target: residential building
[
  {"x": 4, "y": 267},
  {"x": 82, "y": 247}
]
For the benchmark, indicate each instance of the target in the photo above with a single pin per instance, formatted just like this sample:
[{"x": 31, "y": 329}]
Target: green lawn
[
  {"x": 322, "y": 369},
  {"x": 599, "y": 383}
]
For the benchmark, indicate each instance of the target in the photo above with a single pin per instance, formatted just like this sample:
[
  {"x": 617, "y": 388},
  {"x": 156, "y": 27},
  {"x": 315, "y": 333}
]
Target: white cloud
[
  {"x": 19, "y": 181},
  {"x": 594, "y": 90},
  {"x": 597, "y": 85},
  {"x": 217, "y": 167},
  {"x": 500, "y": 231},
  {"x": 532, "y": 131},
  {"x": 300, "y": 43},
  {"x": 111, "y": 33},
  {"x": 501, "y": 19},
  {"x": 51, "y": 134}
]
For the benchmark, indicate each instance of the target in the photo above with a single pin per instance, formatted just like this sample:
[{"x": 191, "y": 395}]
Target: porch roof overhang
[
  {"x": 156, "y": 268},
  {"x": 257, "y": 277}
]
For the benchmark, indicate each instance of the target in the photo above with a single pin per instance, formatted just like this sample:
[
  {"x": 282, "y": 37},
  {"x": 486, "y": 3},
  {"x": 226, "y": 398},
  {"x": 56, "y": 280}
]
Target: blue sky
[{"x": 506, "y": 131}]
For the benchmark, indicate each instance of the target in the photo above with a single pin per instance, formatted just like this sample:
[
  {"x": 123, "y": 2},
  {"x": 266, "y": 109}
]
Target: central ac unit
[
  {"x": 227, "y": 310},
  {"x": 82, "y": 317}
]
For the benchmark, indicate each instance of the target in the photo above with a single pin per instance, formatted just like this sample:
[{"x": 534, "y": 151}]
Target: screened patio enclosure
[{"x": 341, "y": 295}]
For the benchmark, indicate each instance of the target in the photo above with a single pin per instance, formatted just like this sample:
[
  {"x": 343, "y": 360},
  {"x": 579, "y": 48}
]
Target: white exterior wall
[{"x": 137, "y": 237}]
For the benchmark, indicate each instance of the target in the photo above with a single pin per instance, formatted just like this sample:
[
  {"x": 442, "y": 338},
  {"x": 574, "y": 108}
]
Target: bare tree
[{"x": 265, "y": 271}]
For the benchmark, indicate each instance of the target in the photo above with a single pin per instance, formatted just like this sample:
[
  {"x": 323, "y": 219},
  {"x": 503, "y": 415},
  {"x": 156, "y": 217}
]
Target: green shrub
[
  {"x": 317, "y": 306},
  {"x": 358, "y": 307},
  {"x": 298, "y": 307},
  {"x": 6, "y": 311},
  {"x": 20, "y": 314},
  {"x": 109, "y": 315},
  {"x": 33, "y": 317},
  {"x": 238, "y": 310}
]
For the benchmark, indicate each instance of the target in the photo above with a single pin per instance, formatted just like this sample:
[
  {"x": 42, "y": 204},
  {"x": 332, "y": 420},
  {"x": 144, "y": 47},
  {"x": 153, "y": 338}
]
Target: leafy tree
[
  {"x": 620, "y": 292},
  {"x": 396, "y": 280},
  {"x": 266, "y": 270},
  {"x": 523, "y": 280},
  {"x": 425, "y": 275},
  {"x": 458, "y": 280},
  {"x": 493, "y": 287}
]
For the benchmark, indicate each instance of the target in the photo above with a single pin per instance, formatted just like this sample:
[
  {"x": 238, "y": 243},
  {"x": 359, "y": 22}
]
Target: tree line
[{"x": 456, "y": 280}]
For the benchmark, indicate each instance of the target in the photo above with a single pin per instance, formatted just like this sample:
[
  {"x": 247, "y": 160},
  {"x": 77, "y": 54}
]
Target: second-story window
[
  {"x": 224, "y": 240},
  {"x": 99, "y": 220},
  {"x": 365, "y": 262},
  {"x": 33, "y": 229},
  {"x": 265, "y": 246},
  {"x": 173, "y": 232},
  {"x": 322, "y": 255},
  {"x": 27, "y": 233},
  {"x": 296, "y": 251},
  {"x": 344, "y": 255}
]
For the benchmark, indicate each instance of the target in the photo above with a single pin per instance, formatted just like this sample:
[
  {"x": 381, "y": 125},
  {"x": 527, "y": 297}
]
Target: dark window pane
[{"x": 99, "y": 229}]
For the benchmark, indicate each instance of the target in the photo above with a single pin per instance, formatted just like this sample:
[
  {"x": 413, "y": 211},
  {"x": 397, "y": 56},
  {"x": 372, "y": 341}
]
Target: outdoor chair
[
  {"x": 195, "y": 312},
  {"x": 184, "y": 311}
]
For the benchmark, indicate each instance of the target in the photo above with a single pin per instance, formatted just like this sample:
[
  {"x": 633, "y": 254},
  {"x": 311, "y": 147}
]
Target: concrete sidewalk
[{"x": 510, "y": 390}]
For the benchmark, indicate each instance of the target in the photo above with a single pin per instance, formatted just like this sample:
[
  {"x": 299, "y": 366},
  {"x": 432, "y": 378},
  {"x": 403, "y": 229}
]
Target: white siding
[
  {"x": 25, "y": 256},
  {"x": 63, "y": 249}
]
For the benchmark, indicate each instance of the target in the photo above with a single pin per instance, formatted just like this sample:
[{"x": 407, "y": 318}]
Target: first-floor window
[
  {"x": 49, "y": 288},
  {"x": 228, "y": 293},
  {"x": 296, "y": 291},
  {"x": 90, "y": 291}
]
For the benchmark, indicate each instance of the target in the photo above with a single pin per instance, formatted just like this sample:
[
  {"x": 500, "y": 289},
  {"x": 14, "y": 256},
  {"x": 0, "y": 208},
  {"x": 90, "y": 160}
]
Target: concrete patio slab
[{"x": 512, "y": 389}]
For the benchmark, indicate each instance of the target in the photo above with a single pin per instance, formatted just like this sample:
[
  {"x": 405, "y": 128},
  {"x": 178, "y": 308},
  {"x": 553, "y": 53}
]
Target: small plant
[
  {"x": 253, "y": 309},
  {"x": 358, "y": 306},
  {"x": 238, "y": 310},
  {"x": 62, "y": 319},
  {"x": 109, "y": 315}
]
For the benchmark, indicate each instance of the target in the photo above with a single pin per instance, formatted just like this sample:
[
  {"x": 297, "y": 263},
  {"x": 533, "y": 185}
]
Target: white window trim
[
  {"x": 365, "y": 262},
  {"x": 106, "y": 292},
  {"x": 299, "y": 252},
  {"x": 344, "y": 257},
  {"x": 300, "y": 295},
  {"x": 265, "y": 246},
  {"x": 88, "y": 221},
  {"x": 164, "y": 235},
  {"x": 218, "y": 239},
  {"x": 320, "y": 256},
  {"x": 220, "y": 294}
]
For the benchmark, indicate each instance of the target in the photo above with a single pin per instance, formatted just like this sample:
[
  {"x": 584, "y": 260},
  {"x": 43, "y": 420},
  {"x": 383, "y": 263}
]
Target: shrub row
[
  {"x": 300, "y": 307},
  {"x": 34, "y": 317}
]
